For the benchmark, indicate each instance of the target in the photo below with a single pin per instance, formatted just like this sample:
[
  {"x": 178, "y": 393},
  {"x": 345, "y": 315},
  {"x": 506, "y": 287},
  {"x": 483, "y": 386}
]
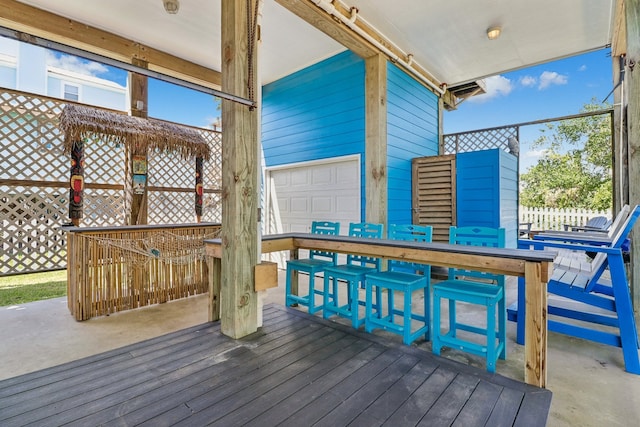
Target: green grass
[{"x": 32, "y": 287}]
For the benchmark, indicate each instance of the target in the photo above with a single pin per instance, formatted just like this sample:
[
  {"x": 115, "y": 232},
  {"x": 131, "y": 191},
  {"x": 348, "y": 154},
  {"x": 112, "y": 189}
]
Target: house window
[{"x": 70, "y": 92}]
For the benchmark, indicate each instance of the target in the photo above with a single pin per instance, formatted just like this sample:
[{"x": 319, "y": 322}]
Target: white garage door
[{"x": 314, "y": 191}]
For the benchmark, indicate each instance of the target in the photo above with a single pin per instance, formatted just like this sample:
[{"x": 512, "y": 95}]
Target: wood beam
[
  {"x": 321, "y": 20},
  {"x": 376, "y": 140},
  {"x": 338, "y": 31},
  {"x": 32, "y": 21},
  {"x": 240, "y": 167},
  {"x": 632, "y": 78}
]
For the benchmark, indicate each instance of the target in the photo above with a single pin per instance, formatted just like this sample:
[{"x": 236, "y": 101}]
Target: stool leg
[
  {"x": 368, "y": 305},
  {"x": 325, "y": 296},
  {"x": 352, "y": 289},
  {"x": 406, "y": 328},
  {"x": 427, "y": 312},
  {"x": 287, "y": 288},
  {"x": 312, "y": 293},
  {"x": 435, "y": 348},
  {"x": 491, "y": 336},
  {"x": 452, "y": 318},
  {"x": 502, "y": 326}
]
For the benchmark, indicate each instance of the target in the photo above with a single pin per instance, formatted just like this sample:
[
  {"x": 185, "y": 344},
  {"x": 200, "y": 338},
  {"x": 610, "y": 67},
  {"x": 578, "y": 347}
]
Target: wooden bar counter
[{"x": 534, "y": 266}]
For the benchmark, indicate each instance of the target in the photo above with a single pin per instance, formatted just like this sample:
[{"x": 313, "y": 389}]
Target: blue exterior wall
[
  {"x": 316, "y": 113},
  {"x": 487, "y": 191},
  {"x": 412, "y": 131},
  {"x": 319, "y": 113}
]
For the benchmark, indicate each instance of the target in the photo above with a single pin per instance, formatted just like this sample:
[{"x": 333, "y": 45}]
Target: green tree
[{"x": 575, "y": 171}]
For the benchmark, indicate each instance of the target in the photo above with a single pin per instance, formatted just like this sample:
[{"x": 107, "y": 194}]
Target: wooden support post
[
  {"x": 138, "y": 159},
  {"x": 240, "y": 168},
  {"x": 376, "y": 139},
  {"x": 535, "y": 342},
  {"x": 632, "y": 78}
]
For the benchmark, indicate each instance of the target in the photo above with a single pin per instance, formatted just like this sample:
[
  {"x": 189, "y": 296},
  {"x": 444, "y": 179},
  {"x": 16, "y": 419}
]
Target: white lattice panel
[
  {"x": 170, "y": 170},
  {"x": 31, "y": 142},
  {"x": 31, "y": 236},
  {"x": 171, "y": 207},
  {"x": 213, "y": 166},
  {"x": 104, "y": 163},
  {"x": 479, "y": 140},
  {"x": 103, "y": 208}
]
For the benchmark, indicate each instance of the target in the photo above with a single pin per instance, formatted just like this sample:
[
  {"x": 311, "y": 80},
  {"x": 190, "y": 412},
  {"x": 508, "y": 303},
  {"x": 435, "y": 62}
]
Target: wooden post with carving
[{"x": 76, "y": 183}]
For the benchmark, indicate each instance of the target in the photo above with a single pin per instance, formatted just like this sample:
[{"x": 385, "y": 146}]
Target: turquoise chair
[
  {"x": 353, "y": 274},
  {"x": 316, "y": 263},
  {"x": 403, "y": 277},
  {"x": 472, "y": 287}
]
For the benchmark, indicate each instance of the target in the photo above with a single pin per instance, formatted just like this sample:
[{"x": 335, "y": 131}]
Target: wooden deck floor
[{"x": 298, "y": 370}]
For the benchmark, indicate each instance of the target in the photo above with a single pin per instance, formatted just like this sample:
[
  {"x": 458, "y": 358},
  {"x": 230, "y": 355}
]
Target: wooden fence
[
  {"x": 555, "y": 219},
  {"x": 113, "y": 269}
]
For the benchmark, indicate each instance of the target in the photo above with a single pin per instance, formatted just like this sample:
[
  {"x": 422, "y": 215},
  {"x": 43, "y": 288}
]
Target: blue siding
[
  {"x": 487, "y": 191},
  {"x": 316, "y": 113},
  {"x": 412, "y": 128},
  {"x": 319, "y": 113}
]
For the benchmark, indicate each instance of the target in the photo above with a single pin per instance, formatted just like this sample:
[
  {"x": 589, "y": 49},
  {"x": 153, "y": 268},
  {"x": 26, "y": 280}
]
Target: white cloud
[
  {"x": 548, "y": 78},
  {"x": 582, "y": 68},
  {"x": 496, "y": 86},
  {"x": 75, "y": 64},
  {"x": 535, "y": 154},
  {"x": 528, "y": 81}
]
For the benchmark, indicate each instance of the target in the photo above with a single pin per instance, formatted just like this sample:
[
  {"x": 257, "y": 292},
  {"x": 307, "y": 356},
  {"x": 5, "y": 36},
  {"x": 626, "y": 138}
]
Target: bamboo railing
[{"x": 111, "y": 269}]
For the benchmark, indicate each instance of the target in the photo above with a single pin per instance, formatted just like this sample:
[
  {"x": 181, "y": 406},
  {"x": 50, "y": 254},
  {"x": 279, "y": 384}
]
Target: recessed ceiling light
[{"x": 493, "y": 32}]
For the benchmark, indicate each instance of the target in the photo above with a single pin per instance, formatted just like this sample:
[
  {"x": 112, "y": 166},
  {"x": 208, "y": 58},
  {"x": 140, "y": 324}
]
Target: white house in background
[{"x": 25, "y": 67}]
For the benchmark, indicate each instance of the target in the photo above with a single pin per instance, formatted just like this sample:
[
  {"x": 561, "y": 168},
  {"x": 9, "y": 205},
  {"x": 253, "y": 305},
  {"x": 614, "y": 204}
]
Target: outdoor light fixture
[
  {"x": 492, "y": 32},
  {"x": 171, "y": 6}
]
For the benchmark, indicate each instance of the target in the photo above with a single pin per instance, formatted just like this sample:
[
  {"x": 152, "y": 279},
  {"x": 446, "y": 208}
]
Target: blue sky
[{"x": 549, "y": 90}]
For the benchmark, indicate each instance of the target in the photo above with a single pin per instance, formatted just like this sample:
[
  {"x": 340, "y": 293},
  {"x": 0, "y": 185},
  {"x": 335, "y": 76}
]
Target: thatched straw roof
[{"x": 80, "y": 122}]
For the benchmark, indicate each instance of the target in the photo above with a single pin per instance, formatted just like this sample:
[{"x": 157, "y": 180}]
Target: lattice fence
[
  {"x": 484, "y": 139},
  {"x": 34, "y": 187}
]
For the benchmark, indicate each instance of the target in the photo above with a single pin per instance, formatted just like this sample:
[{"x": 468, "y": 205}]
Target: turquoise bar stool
[
  {"x": 473, "y": 287},
  {"x": 315, "y": 264},
  {"x": 353, "y": 274},
  {"x": 406, "y": 278}
]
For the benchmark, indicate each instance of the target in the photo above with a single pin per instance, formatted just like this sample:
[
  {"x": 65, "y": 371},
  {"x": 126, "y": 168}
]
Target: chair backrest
[
  {"x": 477, "y": 236},
  {"x": 619, "y": 220},
  {"x": 328, "y": 228},
  {"x": 598, "y": 222},
  {"x": 599, "y": 262},
  {"x": 368, "y": 230},
  {"x": 412, "y": 233}
]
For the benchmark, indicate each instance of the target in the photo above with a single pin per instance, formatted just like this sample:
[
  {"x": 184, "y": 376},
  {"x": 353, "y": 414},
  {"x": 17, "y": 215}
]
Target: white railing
[{"x": 555, "y": 219}]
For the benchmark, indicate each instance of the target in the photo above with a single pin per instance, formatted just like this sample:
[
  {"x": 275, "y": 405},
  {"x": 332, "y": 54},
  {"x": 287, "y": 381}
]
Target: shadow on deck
[{"x": 296, "y": 370}]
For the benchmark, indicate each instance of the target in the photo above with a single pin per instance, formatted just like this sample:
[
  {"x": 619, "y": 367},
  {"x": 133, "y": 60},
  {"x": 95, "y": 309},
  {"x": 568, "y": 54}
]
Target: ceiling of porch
[{"x": 447, "y": 38}]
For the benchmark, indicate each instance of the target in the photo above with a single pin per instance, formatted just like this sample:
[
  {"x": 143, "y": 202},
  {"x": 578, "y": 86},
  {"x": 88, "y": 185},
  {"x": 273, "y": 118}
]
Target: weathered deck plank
[{"x": 297, "y": 370}]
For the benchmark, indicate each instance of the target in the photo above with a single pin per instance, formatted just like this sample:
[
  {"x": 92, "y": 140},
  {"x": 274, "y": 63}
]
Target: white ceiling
[{"x": 447, "y": 37}]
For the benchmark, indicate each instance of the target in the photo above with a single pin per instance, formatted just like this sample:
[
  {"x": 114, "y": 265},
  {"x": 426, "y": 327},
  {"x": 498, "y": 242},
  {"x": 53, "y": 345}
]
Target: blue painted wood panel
[
  {"x": 487, "y": 191},
  {"x": 316, "y": 113},
  {"x": 319, "y": 113},
  {"x": 412, "y": 131}
]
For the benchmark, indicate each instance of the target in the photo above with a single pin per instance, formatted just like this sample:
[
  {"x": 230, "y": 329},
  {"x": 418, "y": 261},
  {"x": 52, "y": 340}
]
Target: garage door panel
[
  {"x": 322, "y": 205},
  {"x": 299, "y": 177},
  {"x": 327, "y": 191},
  {"x": 322, "y": 176},
  {"x": 299, "y": 205}
]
